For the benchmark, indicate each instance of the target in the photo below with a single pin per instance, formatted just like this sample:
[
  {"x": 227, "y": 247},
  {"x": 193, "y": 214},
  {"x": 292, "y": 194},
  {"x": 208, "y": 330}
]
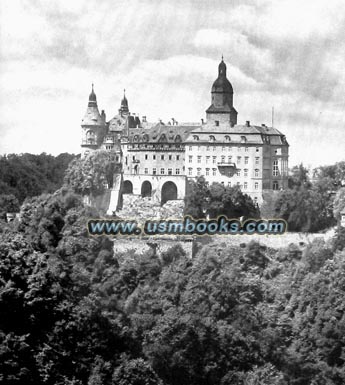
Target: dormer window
[
  {"x": 145, "y": 138},
  {"x": 195, "y": 137},
  {"x": 243, "y": 139},
  {"x": 227, "y": 138},
  {"x": 212, "y": 138},
  {"x": 136, "y": 138},
  {"x": 178, "y": 139},
  {"x": 163, "y": 138}
]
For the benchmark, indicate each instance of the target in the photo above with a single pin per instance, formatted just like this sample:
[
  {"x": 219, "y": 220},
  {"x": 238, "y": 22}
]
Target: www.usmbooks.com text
[{"x": 187, "y": 226}]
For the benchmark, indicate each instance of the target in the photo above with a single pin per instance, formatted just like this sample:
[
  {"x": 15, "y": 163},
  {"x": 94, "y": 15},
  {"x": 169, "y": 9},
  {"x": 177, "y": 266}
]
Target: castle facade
[{"x": 157, "y": 159}]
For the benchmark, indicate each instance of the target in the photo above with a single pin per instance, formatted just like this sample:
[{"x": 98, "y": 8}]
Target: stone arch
[
  {"x": 146, "y": 189},
  {"x": 169, "y": 192},
  {"x": 127, "y": 187}
]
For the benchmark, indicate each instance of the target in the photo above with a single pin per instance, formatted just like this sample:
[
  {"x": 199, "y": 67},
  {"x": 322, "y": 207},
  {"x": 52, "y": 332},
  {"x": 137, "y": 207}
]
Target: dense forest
[
  {"x": 28, "y": 175},
  {"x": 74, "y": 313}
]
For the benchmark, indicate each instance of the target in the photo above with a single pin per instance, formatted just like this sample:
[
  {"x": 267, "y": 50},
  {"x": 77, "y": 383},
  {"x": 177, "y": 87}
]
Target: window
[
  {"x": 238, "y": 148},
  {"x": 229, "y": 184},
  {"x": 190, "y": 171},
  {"x": 257, "y": 160},
  {"x": 199, "y": 147},
  {"x": 190, "y": 158},
  {"x": 275, "y": 185},
  {"x": 256, "y": 173},
  {"x": 177, "y": 171},
  {"x": 223, "y": 148},
  {"x": 245, "y": 185},
  {"x": 170, "y": 157},
  {"x": 154, "y": 171},
  {"x": 162, "y": 171},
  {"x": 245, "y": 172},
  {"x": 257, "y": 149},
  {"x": 198, "y": 171},
  {"x": 238, "y": 172},
  {"x": 195, "y": 137},
  {"x": 154, "y": 157},
  {"x": 190, "y": 148},
  {"x": 214, "y": 159},
  {"x": 246, "y": 159},
  {"x": 207, "y": 171},
  {"x": 275, "y": 168},
  {"x": 133, "y": 157},
  {"x": 238, "y": 159},
  {"x": 229, "y": 159},
  {"x": 256, "y": 185},
  {"x": 146, "y": 171},
  {"x": 223, "y": 159},
  {"x": 214, "y": 148},
  {"x": 208, "y": 159},
  {"x": 217, "y": 122},
  {"x": 208, "y": 148},
  {"x": 243, "y": 139},
  {"x": 246, "y": 149},
  {"x": 214, "y": 171},
  {"x": 169, "y": 171},
  {"x": 227, "y": 138},
  {"x": 199, "y": 158},
  {"x": 146, "y": 156},
  {"x": 177, "y": 157},
  {"x": 212, "y": 138},
  {"x": 162, "y": 157}
]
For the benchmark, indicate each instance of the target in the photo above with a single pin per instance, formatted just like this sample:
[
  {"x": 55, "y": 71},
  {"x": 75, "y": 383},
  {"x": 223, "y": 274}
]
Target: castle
[{"x": 157, "y": 159}]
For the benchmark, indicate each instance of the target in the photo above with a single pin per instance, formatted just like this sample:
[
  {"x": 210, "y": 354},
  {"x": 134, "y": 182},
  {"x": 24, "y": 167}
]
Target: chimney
[
  {"x": 247, "y": 123},
  {"x": 202, "y": 121},
  {"x": 103, "y": 115},
  {"x": 173, "y": 121},
  {"x": 144, "y": 119},
  {"x": 263, "y": 125}
]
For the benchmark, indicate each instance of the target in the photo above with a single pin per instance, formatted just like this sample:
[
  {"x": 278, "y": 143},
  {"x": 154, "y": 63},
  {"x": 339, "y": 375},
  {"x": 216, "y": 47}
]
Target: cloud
[{"x": 287, "y": 54}]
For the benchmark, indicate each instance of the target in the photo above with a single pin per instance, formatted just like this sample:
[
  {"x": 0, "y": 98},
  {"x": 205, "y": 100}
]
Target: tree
[
  {"x": 135, "y": 372},
  {"x": 213, "y": 200}
]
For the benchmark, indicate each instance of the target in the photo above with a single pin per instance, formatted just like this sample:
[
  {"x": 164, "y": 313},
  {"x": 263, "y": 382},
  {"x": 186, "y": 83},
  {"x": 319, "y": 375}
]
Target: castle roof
[
  {"x": 222, "y": 84},
  {"x": 160, "y": 133},
  {"x": 252, "y": 134}
]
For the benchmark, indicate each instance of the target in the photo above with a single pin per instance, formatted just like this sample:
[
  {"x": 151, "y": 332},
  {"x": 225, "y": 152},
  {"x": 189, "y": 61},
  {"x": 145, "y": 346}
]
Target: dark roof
[{"x": 160, "y": 133}]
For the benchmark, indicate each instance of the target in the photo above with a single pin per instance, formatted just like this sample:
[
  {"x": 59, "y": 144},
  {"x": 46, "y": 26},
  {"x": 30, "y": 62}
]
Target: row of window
[
  {"x": 223, "y": 148},
  {"x": 212, "y": 138},
  {"x": 161, "y": 157},
  {"x": 162, "y": 171},
  {"x": 159, "y": 146},
  {"x": 223, "y": 159},
  {"x": 214, "y": 172}
]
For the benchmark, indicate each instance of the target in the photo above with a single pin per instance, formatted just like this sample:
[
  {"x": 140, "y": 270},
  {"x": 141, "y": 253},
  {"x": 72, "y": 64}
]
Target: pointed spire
[
  {"x": 92, "y": 98},
  {"x": 124, "y": 103},
  {"x": 222, "y": 68}
]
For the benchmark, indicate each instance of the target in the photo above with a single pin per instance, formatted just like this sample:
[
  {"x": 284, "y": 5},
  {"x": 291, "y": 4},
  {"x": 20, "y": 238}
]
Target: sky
[{"x": 286, "y": 54}]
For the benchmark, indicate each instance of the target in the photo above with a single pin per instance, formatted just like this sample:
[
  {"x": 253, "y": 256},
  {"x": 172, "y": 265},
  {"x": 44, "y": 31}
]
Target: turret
[{"x": 93, "y": 125}]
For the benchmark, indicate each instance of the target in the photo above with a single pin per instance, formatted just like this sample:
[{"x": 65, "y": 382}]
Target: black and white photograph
[{"x": 172, "y": 192}]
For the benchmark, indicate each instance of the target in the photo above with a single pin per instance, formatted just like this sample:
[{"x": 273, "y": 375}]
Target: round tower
[{"x": 93, "y": 126}]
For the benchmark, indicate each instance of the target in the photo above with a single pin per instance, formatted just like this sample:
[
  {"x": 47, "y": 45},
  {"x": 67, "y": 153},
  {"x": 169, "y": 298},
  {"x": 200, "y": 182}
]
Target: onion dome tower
[{"x": 222, "y": 106}]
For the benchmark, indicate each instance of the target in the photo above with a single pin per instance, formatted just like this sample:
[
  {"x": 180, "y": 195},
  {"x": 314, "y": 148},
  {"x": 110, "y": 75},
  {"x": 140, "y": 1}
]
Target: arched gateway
[{"x": 169, "y": 192}]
